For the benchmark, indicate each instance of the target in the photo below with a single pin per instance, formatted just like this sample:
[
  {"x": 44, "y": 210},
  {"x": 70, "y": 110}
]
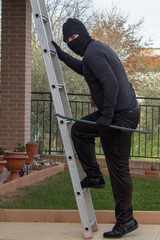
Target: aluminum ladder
[{"x": 62, "y": 107}]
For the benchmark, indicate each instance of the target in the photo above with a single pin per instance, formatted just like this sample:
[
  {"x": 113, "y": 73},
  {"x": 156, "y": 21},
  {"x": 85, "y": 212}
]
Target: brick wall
[{"x": 16, "y": 73}]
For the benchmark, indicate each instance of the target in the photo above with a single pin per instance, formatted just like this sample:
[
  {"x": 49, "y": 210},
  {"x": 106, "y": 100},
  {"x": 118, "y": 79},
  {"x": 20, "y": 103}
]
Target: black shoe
[
  {"x": 89, "y": 182},
  {"x": 120, "y": 230}
]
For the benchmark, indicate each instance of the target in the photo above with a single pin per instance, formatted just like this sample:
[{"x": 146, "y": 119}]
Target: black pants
[{"x": 116, "y": 146}]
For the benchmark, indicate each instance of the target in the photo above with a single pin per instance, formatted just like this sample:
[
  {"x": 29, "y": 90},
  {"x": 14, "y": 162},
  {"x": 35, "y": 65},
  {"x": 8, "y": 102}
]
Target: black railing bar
[
  {"x": 88, "y": 108},
  {"x": 148, "y": 105},
  {"x": 82, "y": 109},
  {"x": 43, "y": 121},
  {"x": 73, "y": 101},
  {"x": 139, "y": 136},
  {"x": 141, "y": 156},
  {"x": 37, "y": 114},
  {"x": 158, "y": 130},
  {"x": 79, "y": 94},
  {"x": 76, "y": 109},
  {"x": 41, "y": 93},
  {"x": 145, "y": 135},
  {"x": 50, "y": 124},
  {"x": 87, "y": 94},
  {"x": 149, "y": 98},
  {"x": 152, "y": 131},
  {"x": 41, "y": 100},
  {"x": 59, "y": 151},
  {"x": 131, "y": 156}
]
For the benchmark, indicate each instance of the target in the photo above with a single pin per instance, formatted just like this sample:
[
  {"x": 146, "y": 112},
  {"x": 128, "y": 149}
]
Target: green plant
[
  {"x": 31, "y": 142},
  {"x": 2, "y": 151},
  {"x": 19, "y": 148}
]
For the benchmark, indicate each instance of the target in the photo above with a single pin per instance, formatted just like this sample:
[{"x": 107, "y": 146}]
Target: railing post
[{"x": 50, "y": 124}]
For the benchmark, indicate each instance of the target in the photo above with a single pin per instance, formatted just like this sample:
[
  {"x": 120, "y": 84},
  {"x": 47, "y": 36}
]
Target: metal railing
[{"x": 46, "y": 128}]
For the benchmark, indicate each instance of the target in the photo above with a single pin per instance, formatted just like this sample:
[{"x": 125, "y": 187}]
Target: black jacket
[{"x": 110, "y": 89}]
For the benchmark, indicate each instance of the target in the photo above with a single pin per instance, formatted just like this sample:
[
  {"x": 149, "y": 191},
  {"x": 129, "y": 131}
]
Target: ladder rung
[
  {"x": 64, "y": 121},
  {"x": 52, "y": 52},
  {"x": 45, "y": 19},
  {"x": 84, "y": 189},
  {"x": 60, "y": 86},
  {"x": 93, "y": 223},
  {"x": 68, "y": 121}
]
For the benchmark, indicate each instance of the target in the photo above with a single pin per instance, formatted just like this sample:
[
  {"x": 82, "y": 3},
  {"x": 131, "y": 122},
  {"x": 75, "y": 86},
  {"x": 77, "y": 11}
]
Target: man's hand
[
  {"x": 60, "y": 52},
  {"x": 103, "y": 122}
]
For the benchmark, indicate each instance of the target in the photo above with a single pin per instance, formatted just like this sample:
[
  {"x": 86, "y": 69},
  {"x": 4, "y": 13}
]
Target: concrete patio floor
[{"x": 68, "y": 231}]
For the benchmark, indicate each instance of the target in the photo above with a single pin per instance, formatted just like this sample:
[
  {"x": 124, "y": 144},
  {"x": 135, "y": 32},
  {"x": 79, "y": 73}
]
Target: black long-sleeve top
[{"x": 110, "y": 89}]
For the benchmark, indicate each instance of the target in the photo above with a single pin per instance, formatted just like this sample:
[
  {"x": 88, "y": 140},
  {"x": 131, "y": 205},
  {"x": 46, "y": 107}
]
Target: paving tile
[
  {"x": 144, "y": 232},
  {"x": 158, "y": 236},
  {"x": 34, "y": 231},
  {"x": 68, "y": 231},
  {"x": 9, "y": 228}
]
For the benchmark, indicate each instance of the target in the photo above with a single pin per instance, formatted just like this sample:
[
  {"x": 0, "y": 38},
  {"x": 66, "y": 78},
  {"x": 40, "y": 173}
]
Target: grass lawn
[{"x": 56, "y": 192}]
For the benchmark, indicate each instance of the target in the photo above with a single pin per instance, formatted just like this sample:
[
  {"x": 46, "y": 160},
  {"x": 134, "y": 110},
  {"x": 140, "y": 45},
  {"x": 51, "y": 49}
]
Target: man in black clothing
[{"x": 116, "y": 102}]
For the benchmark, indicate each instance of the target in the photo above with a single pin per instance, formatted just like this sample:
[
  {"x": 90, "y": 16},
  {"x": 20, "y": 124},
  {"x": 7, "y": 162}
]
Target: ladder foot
[{"x": 95, "y": 230}]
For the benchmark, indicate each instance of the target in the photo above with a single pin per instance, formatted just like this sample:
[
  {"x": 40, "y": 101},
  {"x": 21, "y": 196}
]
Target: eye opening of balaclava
[{"x": 74, "y": 26}]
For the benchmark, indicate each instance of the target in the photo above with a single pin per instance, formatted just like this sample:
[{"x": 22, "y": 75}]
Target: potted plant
[
  {"x": 2, "y": 161},
  {"x": 32, "y": 150},
  {"x": 19, "y": 150},
  {"x": 2, "y": 152},
  {"x": 16, "y": 160}
]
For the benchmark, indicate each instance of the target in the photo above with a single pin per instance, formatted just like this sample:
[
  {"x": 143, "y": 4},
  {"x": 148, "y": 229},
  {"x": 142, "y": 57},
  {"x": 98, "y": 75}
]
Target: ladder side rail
[
  {"x": 64, "y": 129},
  {"x": 49, "y": 67},
  {"x": 84, "y": 204},
  {"x": 68, "y": 144},
  {"x": 46, "y": 46},
  {"x": 48, "y": 59}
]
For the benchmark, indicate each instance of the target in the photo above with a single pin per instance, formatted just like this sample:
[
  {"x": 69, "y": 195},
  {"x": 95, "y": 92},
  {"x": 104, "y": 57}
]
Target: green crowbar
[{"x": 111, "y": 126}]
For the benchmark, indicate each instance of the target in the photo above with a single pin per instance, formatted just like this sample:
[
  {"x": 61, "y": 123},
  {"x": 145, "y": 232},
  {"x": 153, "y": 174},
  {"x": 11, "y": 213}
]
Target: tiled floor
[{"x": 68, "y": 231}]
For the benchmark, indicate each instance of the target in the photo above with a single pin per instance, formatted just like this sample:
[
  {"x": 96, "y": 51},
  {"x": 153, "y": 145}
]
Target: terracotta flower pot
[
  {"x": 32, "y": 150},
  {"x": 15, "y": 162},
  {"x": 2, "y": 163},
  {"x": 150, "y": 172}
]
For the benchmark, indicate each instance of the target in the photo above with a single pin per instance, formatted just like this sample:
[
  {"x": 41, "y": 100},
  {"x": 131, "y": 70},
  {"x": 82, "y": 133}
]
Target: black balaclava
[{"x": 79, "y": 44}]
